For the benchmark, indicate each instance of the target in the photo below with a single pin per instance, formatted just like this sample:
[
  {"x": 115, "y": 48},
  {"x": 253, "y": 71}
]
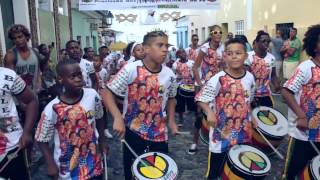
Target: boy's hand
[
  {"x": 254, "y": 123},
  {"x": 302, "y": 123},
  {"x": 52, "y": 170},
  {"x": 25, "y": 140},
  {"x": 119, "y": 127},
  {"x": 211, "y": 118},
  {"x": 103, "y": 146},
  {"x": 173, "y": 127}
]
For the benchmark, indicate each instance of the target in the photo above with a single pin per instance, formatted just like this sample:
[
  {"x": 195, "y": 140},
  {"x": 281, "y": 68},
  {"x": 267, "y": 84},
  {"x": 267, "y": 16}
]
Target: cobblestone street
[{"x": 190, "y": 167}]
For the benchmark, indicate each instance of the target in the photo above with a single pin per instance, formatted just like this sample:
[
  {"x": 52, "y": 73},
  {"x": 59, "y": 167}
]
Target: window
[
  {"x": 186, "y": 39},
  {"x": 79, "y": 39},
  {"x": 285, "y": 29},
  {"x": 196, "y": 31},
  {"x": 44, "y": 5},
  {"x": 203, "y": 33},
  {"x": 239, "y": 27},
  {"x": 87, "y": 41},
  {"x": 192, "y": 32}
]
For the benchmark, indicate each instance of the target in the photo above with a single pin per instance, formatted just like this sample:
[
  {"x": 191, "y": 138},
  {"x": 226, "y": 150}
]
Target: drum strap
[
  {"x": 315, "y": 147},
  {"x": 272, "y": 147}
]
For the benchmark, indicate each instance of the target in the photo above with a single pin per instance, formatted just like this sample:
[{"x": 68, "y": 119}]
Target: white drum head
[
  {"x": 249, "y": 159},
  {"x": 156, "y": 166},
  {"x": 315, "y": 167},
  {"x": 270, "y": 121}
]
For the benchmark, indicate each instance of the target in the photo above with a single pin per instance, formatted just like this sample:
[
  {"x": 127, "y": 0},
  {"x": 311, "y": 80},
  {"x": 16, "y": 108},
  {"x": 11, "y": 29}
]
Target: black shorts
[
  {"x": 140, "y": 146},
  {"x": 216, "y": 163},
  {"x": 183, "y": 101}
]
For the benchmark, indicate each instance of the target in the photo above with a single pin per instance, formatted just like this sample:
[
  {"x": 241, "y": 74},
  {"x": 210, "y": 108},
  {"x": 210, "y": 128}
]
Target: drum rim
[
  {"x": 135, "y": 163},
  {"x": 311, "y": 170},
  {"x": 255, "y": 116},
  {"x": 202, "y": 138},
  {"x": 192, "y": 93},
  {"x": 181, "y": 87},
  {"x": 252, "y": 173}
]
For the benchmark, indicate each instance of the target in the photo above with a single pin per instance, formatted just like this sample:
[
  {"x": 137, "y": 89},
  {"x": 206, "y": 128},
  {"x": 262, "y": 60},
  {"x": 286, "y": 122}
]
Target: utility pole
[
  {"x": 33, "y": 23},
  {"x": 56, "y": 24},
  {"x": 70, "y": 19}
]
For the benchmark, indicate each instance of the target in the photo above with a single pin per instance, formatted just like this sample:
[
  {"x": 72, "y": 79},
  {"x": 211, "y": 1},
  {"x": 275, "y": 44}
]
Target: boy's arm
[
  {"x": 211, "y": 117},
  {"x": 275, "y": 80},
  {"x": 196, "y": 66},
  {"x": 52, "y": 168},
  {"x": 302, "y": 122},
  {"x": 110, "y": 104},
  {"x": 171, "y": 115},
  {"x": 9, "y": 59}
]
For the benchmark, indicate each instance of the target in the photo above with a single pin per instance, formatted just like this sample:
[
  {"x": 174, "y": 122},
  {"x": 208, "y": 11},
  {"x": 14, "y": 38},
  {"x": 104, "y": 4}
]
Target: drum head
[
  {"x": 270, "y": 121},
  {"x": 249, "y": 160},
  {"x": 154, "y": 165},
  {"x": 315, "y": 167}
]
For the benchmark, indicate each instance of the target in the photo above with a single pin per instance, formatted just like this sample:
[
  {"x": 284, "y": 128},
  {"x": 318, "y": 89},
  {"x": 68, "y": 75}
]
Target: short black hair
[
  {"x": 261, "y": 33},
  {"x": 18, "y": 28},
  {"x": 153, "y": 34},
  {"x": 61, "y": 64},
  {"x": 295, "y": 29},
  {"x": 194, "y": 35},
  {"x": 236, "y": 41},
  {"x": 71, "y": 41},
  {"x": 310, "y": 40},
  {"x": 102, "y": 47}
]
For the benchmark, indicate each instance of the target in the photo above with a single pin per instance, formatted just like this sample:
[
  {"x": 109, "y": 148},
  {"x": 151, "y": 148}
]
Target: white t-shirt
[
  {"x": 10, "y": 129},
  {"x": 146, "y": 97},
  {"x": 103, "y": 77},
  {"x": 261, "y": 69},
  {"x": 305, "y": 85},
  {"x": 87, "y": 68},
  {"x": 230, "y": 99},
  {"x": 183, "y": 72},
  {"x": 73, "y": 128},
  {"x": 209, "y": 66},
  {"x": 192, "y": 53}
]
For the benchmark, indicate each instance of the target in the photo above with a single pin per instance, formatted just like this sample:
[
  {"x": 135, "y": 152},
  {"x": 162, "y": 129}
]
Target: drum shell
[
  {"x": 307, "y": 173},
  {"x": 258, "y": 141},
  {"x": 186, "y": 93},
  {"x": 204, "y": 132}
]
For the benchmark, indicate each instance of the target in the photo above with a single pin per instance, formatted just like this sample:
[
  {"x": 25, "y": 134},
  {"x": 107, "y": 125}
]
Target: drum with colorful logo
[
  {"x": 204, "y": 131},
  {"x": 186, "y": 91},
  {"x": 272, "y": 124},
  {"x": 245, "y": 162},
  {"x": 312, "y": 170},
  {"x": 156, "y": 166}
]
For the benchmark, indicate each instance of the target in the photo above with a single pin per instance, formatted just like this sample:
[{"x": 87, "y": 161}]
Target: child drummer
[
  {"x": 183, "y": 69},
  {"x": 228, "y": 128},
  {"x": 150, "y": 90},
  {"x": 302, "y": 92}
]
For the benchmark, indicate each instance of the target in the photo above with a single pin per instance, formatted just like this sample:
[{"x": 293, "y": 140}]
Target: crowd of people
[{"x": 65, "y": 107}]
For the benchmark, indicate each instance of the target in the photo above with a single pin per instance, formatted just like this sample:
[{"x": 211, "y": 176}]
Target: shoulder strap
[{"x": 15, "y": 53}]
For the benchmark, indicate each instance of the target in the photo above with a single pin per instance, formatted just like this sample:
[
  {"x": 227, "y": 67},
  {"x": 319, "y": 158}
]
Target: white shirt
[{"x": 87, "y": 68}]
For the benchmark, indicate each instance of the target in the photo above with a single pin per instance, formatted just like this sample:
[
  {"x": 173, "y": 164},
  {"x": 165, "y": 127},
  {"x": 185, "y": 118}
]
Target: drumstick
[
  {"x": 25, "y": 153},
  {"x": 315, "y": 147},
  {"x": 272, "y": 147},
  {"x": 105, "y": 167}
]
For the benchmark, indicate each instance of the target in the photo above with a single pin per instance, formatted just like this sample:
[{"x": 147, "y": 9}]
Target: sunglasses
[
  {"x": 216, "y": 32},
  {"x": 266, "y": 41},
  {"x": 195, "y": 39}
]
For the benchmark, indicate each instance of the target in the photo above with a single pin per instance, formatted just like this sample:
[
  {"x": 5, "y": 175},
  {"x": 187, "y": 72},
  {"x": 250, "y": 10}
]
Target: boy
[
  {"x": 262, "y": 65},
  {"x": 14, "y": 137},
  {"x": 183, "y": 69},
  {"x": 301, "y": 92},
  {"x": 102, "y": 77},
  {"x": 71, "y": 120},
  {"x": 225, "y": 126},
  {"x": 145, "y": 136}
]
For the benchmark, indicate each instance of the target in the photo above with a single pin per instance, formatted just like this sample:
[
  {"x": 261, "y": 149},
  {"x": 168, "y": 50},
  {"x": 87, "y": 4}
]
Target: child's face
[
  {"x": 138, "y": 52},
  {"x": 263, "y": 43},
  {"x": 235, "y": 56},
  {"x": 72, "y": 77},
  {"x": 157, "y": 49},
  {"x": 96, "y": 62},
  {"x": 182, "y": 54},
  {"x": 19, "y": 39}
]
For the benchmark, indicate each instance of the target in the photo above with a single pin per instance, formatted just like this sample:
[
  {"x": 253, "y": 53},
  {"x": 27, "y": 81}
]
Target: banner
[{"x": 92, "y": 5}]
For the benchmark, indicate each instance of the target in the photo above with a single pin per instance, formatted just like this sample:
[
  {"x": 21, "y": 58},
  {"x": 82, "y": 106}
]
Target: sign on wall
[{"x": 92, "y": 5}]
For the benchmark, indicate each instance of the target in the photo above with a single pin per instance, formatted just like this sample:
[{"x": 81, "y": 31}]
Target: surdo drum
[{"x": 155, "y": 166}]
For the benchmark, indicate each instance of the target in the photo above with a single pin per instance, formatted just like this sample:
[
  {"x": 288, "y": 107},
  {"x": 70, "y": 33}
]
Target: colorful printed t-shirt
[
  {"x": 73, "y": 127},
  {"x": 192, "y": 53},
  {"x": 230, "y": 99},
  {"x": 10, "y": 129},
  {"x": 87, "y": 68},
  {"x": 305, "y": 84},
  {"x": 209, "y": 66},
  {"x": 146, "y": 96},
  {"x": 102, "y": 77},
  {"x": 183, "y": 71},
  {"x": 261, "y": 69}
]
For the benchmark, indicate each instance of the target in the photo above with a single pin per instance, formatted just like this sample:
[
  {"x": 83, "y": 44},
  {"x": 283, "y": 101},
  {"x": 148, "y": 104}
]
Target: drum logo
[
  {"x": 154, "y": 167},
  {"x": 252, "y": 161},
  {"x": 267, "y": 117}
]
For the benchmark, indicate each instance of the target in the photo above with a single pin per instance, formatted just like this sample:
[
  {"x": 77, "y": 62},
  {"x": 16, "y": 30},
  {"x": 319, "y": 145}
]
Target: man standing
[
  {"x": 193, "y": 49},
  {"x": 291, "y": 51},
  {"x": 277, "y": 44},
  {"x": 87, "y": 69}
]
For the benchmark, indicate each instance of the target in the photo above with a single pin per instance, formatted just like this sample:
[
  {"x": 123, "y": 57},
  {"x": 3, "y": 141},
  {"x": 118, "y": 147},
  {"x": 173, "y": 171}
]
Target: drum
[
  {"x": 187, "y": 91},
  {"x": 156, "y": 166},
  {"x": 312, "y": 170},
  {"x": 272, "y": 124},
  {"x": 245, "y": 162}
]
